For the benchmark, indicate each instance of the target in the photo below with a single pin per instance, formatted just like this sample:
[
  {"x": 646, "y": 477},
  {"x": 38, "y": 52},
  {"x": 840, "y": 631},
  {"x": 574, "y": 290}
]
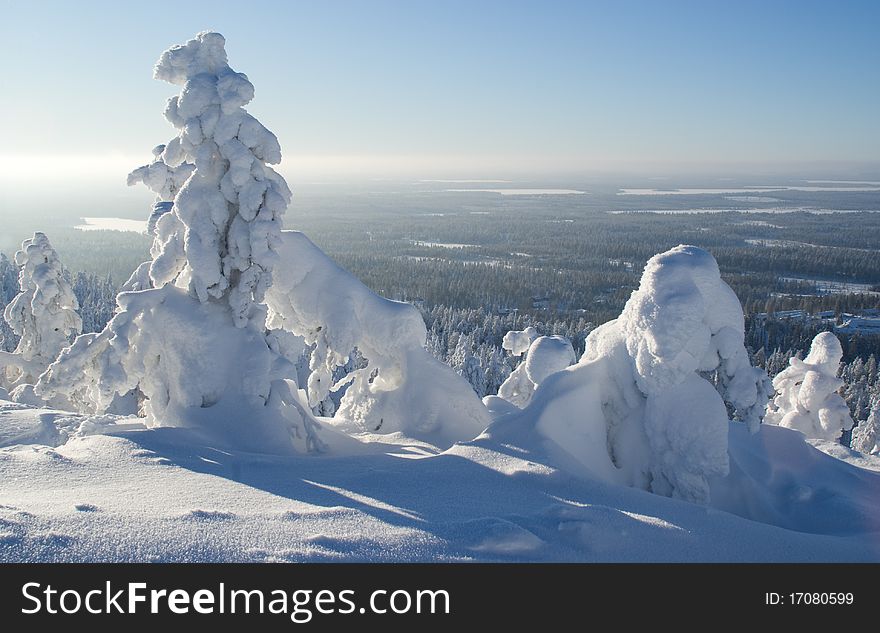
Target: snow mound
[
  {"x": 778, "y": 478},
  {"x": 545, "y": 355},
  {"x": 402, "y": 388},
  {"x": 636, "y": 409},
  {"x": 807, "y": 398}
]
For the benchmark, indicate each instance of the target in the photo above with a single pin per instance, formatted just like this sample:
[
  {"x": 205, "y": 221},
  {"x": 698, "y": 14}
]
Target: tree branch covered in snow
[{"x": 401, "y": 388}]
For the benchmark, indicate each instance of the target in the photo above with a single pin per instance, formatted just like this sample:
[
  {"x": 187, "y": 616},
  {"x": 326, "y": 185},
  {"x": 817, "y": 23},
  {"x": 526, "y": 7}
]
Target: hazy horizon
[{"x": 489, "y": 90}]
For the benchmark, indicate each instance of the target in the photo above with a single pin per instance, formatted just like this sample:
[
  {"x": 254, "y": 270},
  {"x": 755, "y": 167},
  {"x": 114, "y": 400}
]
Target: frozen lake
[
  {"x": 733, "y": 190},
  {"x": 521, "y": 192},
  {"x": 112, "y": 224}
]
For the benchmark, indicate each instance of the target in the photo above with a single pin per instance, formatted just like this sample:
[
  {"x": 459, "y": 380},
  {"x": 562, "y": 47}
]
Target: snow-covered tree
[
  {"x": 866, "y": 436},
  {"x": 193, "y": 342},
  {"x": 807, "y": 398},
  {"x": 497, "y": 371},
  {"x": 218, "y": 240},
  {"x": 636, "y": 408},
  {"x": 43, "y": 314},
  {"x": 198, "y": 343},
  {"x": 471, "y": 371}
]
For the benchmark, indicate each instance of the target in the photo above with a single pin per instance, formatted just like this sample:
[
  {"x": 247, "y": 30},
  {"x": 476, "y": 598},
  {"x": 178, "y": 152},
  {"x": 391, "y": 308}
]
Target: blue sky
[{"x": 479, "y": 86}]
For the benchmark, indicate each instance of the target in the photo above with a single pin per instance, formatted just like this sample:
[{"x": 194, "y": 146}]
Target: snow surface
[
  {"x": 162, "y": 495},
  {"x": 521, "y": 192},
  {"x": 113, "y": 224}
]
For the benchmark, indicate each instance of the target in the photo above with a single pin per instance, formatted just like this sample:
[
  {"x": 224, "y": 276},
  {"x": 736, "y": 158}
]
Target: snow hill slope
[{"x": 132, "y": 494}]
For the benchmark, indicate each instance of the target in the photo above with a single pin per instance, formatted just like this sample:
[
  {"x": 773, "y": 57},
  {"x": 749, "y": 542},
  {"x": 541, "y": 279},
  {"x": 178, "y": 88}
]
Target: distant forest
[{"x": 494, "y": 266}]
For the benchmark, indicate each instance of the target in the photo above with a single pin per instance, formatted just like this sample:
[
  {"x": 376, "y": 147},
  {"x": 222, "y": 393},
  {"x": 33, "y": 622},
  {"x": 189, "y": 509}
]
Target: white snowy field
[{"x": 127, "y": 493}]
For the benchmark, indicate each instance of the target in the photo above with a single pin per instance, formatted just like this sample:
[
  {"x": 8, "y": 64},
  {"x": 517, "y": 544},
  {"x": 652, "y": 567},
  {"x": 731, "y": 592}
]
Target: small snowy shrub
[{"x": 807, "y": 398}]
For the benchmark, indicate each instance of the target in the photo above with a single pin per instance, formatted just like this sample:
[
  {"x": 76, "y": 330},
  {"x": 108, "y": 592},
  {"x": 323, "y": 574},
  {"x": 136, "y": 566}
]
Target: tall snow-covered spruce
[
  {"x": 218, "y": 241},
  {"x": 192, "y": 344},
  {"x": 638, "y": 408},
  {"x": 43, "y": 313},
  {"x": 204, "y": 337}
]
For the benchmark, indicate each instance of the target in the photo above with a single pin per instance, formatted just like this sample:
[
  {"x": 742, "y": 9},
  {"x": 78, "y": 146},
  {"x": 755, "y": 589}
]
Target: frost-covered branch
[{"x": 402, "y": 388}]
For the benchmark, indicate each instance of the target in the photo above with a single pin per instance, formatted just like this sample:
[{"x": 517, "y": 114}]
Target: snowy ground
[{"x": 132, "y": 494}]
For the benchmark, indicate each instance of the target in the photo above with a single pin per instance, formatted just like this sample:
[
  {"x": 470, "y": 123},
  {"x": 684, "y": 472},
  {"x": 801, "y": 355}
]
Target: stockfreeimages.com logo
[{"x": 300, "y": 605}]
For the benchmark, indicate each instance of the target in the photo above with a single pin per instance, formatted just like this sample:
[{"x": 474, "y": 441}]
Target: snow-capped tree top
[
  {"x": 205, "y": 53},
  {"x": 517, "y": 341},
  {"x": 825, "y": 353},
  {"x": 34, "y": 259}
]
